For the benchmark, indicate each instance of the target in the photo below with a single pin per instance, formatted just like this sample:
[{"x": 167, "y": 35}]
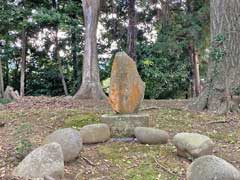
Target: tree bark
[
  {"x": 6, "y": 72},
  {"x": 191, "y": 71},
  {"x": 223, "y": 71},
  {"x": 59, "y": 62},
  {"x": 74, "y": 55},
  {"x": 57, "y": 54},
  {"x": 23, "y": 62},
  {"x": 91, "y": 86},
  {"x": 1, "y": 80},
  {"x": 196, "y": 73},
  {"x": 132, "y": 30},
  {"x": 194, "y": 56}
]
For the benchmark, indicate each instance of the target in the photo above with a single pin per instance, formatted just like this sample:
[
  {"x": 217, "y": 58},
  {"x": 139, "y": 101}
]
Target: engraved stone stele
[
  {"x": 126, "y": 86},
  {"x": 125, "y": 97}
]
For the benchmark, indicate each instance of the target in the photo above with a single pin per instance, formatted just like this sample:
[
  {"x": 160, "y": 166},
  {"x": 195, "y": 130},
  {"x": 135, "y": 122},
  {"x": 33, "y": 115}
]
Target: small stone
[
  {"x": 126, "y": 86},
  {"x": 151, "y": 135},
  {"x": 68, "y": 97},
  {"x": 70, "y": 141},
  {"x": 212, "y": 168},
  {"x": 48, "y": 178},
  {"x": 46, "y": 160},
  {"x": 95, "y": 133},
  {"x": 193, "y": 145}
]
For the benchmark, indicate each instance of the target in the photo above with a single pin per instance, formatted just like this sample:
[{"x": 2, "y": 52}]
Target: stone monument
[{"x": 125, "y": 96}]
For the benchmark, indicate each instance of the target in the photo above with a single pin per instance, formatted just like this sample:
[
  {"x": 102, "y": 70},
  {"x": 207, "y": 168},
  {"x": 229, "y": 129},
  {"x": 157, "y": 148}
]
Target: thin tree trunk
[
  {"x": 1, "y": 80},
  {"x": 57, "y": 54},
  {"x": 91, "y": 86},
  {"x": 191, "y": 73},
  {"x": 196, "y": 73},
  {"x": 132, "y": 30},
  {"x": 195, "y": 77},
  {"x": 165, "y": 12},
  {"x": 223, "y": 71},
  {"x": 74, "y": 55},
  {"x": 23, "y": 63},
  {"x": 59, "y": 62},
  {"x": 7, "y": 73}
]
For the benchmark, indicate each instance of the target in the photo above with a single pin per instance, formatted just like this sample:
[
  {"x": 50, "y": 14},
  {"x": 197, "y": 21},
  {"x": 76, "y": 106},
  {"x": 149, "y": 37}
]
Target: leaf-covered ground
[{"x": 24, "y": 124}]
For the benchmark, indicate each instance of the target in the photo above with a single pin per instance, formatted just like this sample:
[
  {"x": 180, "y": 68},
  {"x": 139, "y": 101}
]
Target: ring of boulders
[{"x": 64, "y": 145}]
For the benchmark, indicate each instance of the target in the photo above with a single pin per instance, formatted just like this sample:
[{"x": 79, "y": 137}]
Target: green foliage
[
  {"x": 5, "y": 101},
  {"x": 23, "y": 147},
  {"x": 236, "y": 91},
  {"x": 23, "y": 129},
  {"x": 163, "y": 64},
  {"x": 217, "y": 51}
]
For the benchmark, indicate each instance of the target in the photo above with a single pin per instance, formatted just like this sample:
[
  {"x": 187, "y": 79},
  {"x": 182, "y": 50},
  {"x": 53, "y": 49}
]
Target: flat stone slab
[{"x": 123, "y": 125}]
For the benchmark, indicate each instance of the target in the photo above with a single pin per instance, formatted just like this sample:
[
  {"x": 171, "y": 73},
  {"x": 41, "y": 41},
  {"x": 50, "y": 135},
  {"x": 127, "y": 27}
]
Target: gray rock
[
  {"x": 68, "y": 97},
  {"x": 70, "y": 141},
  {"x": 151, "y": 135},
  {"x": 193, "y": 145},
  {"x": 95, "y": 133},
  {"x": 44, "y": 161},
  {"x": 212, "y": 168},
  {"x": 48, "y": 178}
]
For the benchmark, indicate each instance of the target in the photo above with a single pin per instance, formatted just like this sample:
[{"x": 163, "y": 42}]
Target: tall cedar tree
[
  {"x": 131, "y": 42},
  {"x": 224, "y": 65}
]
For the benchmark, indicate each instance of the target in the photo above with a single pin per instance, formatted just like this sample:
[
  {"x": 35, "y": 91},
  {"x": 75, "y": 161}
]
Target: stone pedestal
[{"x": 122, "y": 125}]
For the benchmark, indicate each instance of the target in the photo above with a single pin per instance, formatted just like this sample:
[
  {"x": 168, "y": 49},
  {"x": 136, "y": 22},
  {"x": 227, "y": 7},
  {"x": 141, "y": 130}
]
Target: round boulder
[
  {"x": 147, "y": 135},
  {"x": 211, "y": 167},
  {"x": 44, "y": 161},
  {"x": 95, "y": 133},
  {"x": 70, "y": 141},
  {"x": 193, "y": 145}
]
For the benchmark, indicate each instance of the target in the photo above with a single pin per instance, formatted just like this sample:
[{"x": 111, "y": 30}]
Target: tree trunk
[
  {"x": 59, "y": 62},
  {"x": 6, "y": 72},
  {"x": 196, "y": 73},
  {"x": 74, "y": 55},
  {"x": 57, "y": 55},
  {"x": 223, "y": 70},
  {"x": 193, "y": 54},
  {"x": 165, "y": 11},
  {"x": 1, "y": 80},
  {"x": 191, "y": 73},
  {"x": 132, "y": 30},
  {"x": 91, "y": 86},
  {"x": 23, "y": 62}
]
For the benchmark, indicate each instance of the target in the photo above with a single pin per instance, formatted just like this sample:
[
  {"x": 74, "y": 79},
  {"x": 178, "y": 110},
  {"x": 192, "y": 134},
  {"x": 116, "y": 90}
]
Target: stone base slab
[{"x": 122, "y": 125}]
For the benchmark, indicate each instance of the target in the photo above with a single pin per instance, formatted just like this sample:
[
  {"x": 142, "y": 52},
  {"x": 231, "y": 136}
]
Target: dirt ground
[{"x": 24, "y": 125}]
